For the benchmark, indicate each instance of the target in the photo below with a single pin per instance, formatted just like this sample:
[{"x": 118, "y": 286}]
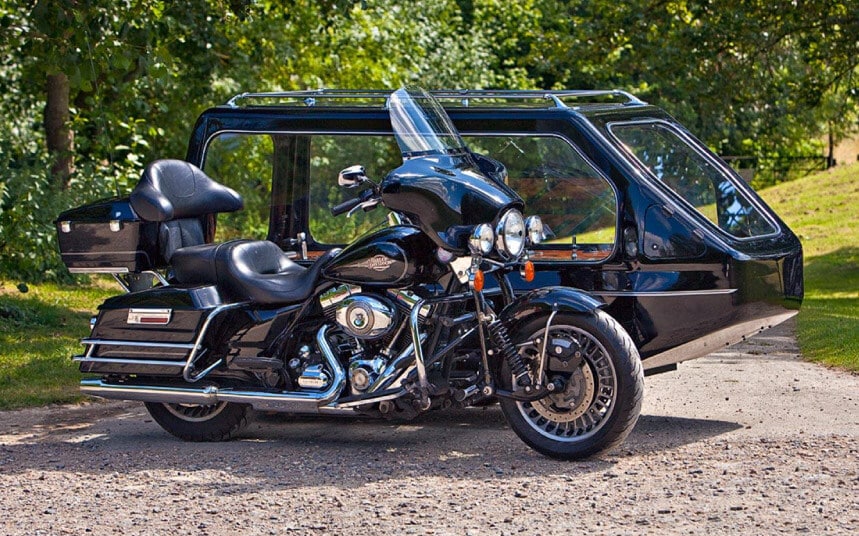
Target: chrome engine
[
  {"x": 363, "y": 316},
  {"x": 376, "y": 323}
]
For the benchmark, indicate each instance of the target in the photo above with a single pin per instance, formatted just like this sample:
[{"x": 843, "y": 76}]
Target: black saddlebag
[
  {"x": 151, "y": 332},
  {"x": 107, "y": 237}
]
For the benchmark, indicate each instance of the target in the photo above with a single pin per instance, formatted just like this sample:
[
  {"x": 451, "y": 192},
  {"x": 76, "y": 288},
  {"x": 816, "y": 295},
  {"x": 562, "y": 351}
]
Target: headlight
[
  {"x": 534, "y": 228},
  {"x": 511, "y": 234},
  {"x": 481, "y": 239}
]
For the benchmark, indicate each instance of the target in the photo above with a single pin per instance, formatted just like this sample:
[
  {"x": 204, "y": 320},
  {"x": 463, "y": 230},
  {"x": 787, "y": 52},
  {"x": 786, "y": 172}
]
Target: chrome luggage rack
[
  {"x": 195, "y": 350},
  {"x": 464, "y": 96}
]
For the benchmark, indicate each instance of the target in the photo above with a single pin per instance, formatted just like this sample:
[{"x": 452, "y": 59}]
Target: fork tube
[{"x": 480, "y": 306}]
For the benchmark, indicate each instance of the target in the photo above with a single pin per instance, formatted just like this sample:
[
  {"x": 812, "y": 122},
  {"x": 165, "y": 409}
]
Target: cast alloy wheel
[{"x": 597, "y": 368}]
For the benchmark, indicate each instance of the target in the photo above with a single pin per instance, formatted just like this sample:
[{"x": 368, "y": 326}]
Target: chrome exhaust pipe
[{"x": 290, "y": 401}]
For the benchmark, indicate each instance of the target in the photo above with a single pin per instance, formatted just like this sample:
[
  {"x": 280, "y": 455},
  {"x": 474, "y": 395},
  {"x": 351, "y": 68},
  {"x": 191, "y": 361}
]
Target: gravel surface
[{"x": 750, "y": 440}]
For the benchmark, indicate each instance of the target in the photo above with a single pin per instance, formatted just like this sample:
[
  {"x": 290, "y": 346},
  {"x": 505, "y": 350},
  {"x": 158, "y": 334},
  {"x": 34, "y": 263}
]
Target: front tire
[
  {"x": 195, "y": 422},
  {"x": 601, "y": 399}
]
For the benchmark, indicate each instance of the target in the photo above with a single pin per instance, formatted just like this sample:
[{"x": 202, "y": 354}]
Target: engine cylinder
[{"x": 366, "y": 317}]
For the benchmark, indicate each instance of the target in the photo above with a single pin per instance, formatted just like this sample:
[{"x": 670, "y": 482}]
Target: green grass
[
  {"x": 39, "y": 332},
  {"x": 822, "y": 210}
]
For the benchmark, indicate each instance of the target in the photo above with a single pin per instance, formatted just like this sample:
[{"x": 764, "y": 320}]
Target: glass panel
[
  {"x": 693, "y": 177},
  {"x": 563, "y": 188},
  {"x": 329, "y": 154},
  {"x": 244, "y": 163}
]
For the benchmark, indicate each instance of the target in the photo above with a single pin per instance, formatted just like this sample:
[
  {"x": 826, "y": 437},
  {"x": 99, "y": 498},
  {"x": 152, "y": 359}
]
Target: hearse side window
[
  {"x": 692, "y": 176},
  {"x": 328, "y": 155},
  {"x": 562, "y": 187},
  {"x": 244, "y": 163}
]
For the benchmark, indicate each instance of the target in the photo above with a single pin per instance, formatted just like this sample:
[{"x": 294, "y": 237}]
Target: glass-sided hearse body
[{"x": 641, "y": 214}]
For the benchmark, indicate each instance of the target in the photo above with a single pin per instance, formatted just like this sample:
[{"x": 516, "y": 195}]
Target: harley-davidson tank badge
[{"x": 379, "y": 263}]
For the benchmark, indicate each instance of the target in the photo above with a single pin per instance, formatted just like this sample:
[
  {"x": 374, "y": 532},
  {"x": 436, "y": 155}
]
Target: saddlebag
[
  {"x": 107, "y": 237},
  {"x": 152, "y": 332}
]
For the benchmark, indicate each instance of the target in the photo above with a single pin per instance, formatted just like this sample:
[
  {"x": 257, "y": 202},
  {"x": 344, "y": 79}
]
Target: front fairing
[
  {"x": 446, "y": 196},
  {"x": 441, "y": 187}
]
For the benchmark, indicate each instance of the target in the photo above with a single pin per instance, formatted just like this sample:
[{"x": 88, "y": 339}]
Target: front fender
[{"x": 543, "y": 301}]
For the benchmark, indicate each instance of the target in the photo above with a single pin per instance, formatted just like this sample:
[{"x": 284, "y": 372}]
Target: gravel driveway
[{"x": 750, "y": 440}]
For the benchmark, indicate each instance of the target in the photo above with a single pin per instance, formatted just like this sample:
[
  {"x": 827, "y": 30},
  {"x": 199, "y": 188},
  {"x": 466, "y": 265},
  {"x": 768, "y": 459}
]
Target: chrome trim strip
[
  {"x": 102, "y": 270},
  {"x": 663, "y": 293}
]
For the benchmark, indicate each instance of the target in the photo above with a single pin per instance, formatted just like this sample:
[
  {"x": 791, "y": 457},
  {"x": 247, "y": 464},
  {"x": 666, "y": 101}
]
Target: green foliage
[{"x": 244, "y": 163}]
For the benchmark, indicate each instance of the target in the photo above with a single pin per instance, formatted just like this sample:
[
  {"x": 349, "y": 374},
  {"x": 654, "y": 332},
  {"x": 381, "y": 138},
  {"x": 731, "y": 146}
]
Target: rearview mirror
[{"x": 352, "y": 176}]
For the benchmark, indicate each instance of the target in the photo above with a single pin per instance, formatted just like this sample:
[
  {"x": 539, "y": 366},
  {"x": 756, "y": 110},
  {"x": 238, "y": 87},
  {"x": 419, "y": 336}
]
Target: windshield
[{"x": 421, "y": 125}]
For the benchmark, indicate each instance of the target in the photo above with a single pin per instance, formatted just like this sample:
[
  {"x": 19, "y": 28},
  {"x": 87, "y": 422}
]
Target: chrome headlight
[
  {"x": 481, "y": 239},
  {"x": 510, "y": 234},
  {"x": 534, "y": 228}
]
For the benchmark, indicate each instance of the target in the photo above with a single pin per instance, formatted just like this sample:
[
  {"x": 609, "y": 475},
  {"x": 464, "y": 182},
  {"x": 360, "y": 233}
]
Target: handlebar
[
  {"x": 345, "y": 206},
  {"x": 349, "y": 204}
]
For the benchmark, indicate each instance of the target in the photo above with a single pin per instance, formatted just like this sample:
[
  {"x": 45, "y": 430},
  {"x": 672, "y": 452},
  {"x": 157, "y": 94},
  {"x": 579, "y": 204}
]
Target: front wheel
[
  {"x": 596, "y": 364},
  {"x": 200, "y": 422}
]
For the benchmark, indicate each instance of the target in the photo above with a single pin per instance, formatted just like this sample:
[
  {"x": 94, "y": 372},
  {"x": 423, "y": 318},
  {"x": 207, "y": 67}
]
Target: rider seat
[{"x": 254, "y": 270}]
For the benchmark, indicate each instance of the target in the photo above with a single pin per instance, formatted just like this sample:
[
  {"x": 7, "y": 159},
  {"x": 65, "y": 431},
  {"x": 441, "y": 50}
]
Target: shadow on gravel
[
  {"x": 282, "y": 453},
  {"x": 655, "y": 432}
]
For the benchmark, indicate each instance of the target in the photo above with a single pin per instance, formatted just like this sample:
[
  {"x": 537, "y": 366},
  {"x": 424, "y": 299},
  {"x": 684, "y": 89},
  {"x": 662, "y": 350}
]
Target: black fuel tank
[{"x": 397, "y": 256}]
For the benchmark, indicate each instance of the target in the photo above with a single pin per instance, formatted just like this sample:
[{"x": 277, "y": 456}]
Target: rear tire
[
  {"x": 194, "y": 422},
  {"x": 601, "y": 400}
]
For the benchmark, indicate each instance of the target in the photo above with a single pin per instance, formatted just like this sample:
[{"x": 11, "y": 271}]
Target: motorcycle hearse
[{"x": 433, "y": 290}]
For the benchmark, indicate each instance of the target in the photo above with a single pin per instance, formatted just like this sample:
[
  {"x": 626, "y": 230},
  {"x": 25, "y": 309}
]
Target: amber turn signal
[
  {"x": 528, "y": 271},
  {"x": 478, "y": 280}
]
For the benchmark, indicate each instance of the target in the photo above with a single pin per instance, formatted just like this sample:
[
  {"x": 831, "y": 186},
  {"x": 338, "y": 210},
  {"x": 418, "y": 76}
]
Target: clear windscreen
[{"x": 421, "y": 126}]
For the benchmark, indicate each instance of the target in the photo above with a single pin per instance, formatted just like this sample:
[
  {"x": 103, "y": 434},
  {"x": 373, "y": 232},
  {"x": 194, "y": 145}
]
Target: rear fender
[{"x": 541, "y": 302}]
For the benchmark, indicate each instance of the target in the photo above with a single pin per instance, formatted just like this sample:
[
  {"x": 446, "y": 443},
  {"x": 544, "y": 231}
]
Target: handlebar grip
[{"x": 345, "y": 206}]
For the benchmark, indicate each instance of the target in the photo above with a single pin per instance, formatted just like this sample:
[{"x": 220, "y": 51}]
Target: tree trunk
[{"x": 59, "y": 137}]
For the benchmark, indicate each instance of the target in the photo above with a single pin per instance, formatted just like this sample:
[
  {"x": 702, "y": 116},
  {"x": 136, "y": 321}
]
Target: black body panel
[
  {"x": 681, "y": 287},
  {"x": 188, "y": 307}
]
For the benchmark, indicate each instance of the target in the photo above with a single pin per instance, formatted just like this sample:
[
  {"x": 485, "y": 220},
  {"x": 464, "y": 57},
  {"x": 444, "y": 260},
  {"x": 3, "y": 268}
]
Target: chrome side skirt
[{"x": 715, "y": 341}]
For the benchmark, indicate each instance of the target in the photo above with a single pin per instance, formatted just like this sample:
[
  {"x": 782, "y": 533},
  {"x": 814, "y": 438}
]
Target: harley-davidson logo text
[{"x": 379, "y": 263}]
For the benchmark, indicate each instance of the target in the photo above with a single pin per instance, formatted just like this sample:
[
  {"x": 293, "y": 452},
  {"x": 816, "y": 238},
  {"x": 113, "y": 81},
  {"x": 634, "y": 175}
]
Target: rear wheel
[
  {"x": 201, "y": 422},
  {"x": 596, "y": 363}
]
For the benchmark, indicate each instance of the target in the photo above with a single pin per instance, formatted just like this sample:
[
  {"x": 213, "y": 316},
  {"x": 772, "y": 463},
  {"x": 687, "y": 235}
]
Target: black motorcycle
[{"x": 395, "y": 324}]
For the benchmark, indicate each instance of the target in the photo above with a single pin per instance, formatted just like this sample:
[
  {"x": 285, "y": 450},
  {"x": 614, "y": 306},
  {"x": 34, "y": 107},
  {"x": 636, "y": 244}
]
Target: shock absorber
[{"x": 501, "y": 340}]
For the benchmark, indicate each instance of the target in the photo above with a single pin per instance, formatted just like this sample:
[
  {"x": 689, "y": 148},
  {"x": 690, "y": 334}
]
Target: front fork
[{"x": 495, "y": 342}]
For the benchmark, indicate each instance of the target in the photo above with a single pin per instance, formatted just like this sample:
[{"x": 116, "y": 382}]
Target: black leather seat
[
  {"x": 181, "y": 197},
  {"x": 254, "y": 270}
]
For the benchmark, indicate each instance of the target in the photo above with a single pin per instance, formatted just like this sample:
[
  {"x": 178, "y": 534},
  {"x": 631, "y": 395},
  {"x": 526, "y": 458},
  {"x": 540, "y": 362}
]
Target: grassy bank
[
  {"x": 821, "y": 209},
  {"x": 39, "y": 331}
]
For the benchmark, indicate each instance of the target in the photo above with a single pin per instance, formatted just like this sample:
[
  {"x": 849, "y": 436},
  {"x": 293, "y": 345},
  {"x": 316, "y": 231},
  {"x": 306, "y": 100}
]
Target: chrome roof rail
[{"x": 311, "y": 97}]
